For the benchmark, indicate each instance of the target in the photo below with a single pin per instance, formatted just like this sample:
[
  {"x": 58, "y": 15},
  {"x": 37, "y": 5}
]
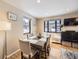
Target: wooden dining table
[{"x": 37, "y": 43}]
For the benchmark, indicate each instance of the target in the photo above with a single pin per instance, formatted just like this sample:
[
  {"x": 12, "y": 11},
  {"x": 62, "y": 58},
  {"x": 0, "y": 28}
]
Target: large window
[
  {"x": 26, "y": 25},
  {"x": 52, "y": 26}
]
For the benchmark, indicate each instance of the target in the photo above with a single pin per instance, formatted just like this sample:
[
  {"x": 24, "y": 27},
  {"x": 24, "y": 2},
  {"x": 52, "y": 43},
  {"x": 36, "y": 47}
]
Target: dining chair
[
  {"x": 26, "y": 51},
  {"x": 47, "y": 47}
]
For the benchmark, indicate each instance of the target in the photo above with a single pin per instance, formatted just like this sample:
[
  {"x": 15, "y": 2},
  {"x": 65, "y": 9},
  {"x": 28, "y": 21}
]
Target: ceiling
[{"x": 46, "y": 7}]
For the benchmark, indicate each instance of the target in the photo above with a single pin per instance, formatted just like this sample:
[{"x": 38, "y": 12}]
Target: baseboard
[
  {"x": 14, "y": 55},
  {"x": 56, "y": 42}
]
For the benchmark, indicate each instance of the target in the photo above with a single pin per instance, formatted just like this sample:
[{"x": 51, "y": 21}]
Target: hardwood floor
[{"x": 58, "y": 46}]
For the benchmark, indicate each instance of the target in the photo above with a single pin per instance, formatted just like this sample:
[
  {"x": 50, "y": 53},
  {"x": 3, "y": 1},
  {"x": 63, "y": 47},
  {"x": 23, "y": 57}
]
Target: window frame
[
  {"x": 48, "y": 25},
  {"x": 45, "y": 26}
]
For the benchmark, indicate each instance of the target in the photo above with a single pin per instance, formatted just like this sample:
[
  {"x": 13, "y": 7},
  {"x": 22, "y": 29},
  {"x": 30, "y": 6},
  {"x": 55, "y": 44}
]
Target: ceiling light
[{"x": 38, "y": 1}]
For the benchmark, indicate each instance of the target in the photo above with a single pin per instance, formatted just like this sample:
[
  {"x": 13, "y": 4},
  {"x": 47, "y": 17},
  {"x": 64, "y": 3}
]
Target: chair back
[
  {"x": 49, "y": 41},
  {"x": 47, "y": 44},
  {"x": 25, "y": 47}
]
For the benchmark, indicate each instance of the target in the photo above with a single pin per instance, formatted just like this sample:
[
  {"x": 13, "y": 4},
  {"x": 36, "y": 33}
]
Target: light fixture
[
  {"x": 38, "y": 1},
  {"x": 4, "y": 26}
]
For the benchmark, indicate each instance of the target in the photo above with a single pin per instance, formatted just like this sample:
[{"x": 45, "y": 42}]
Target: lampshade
[
  {"x": 38, "y": 1},
  {"x": 5, "y": 25}
]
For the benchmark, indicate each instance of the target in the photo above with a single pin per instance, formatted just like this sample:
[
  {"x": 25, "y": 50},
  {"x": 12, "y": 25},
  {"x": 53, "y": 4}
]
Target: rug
[
  {"x": 62, "y": 53},
  {"x": 68, "y": 54}
]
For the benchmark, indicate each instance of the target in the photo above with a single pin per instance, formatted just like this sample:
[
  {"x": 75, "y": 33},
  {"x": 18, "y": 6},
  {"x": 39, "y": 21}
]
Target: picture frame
[{"x": 12, "y": 16}]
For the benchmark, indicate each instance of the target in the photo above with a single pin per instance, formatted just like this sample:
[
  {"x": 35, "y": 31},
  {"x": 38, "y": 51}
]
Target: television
[
  {"x": 70, "y": 21},
  {"x": 69, "y": 36}
]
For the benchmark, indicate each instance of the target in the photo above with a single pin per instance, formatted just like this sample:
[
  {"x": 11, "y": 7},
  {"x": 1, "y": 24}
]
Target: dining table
[{"x": 37, "y": 44}]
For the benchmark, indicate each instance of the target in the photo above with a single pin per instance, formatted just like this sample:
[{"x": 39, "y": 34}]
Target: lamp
[
  {"x": 38, "y": 1},
  {"x": 4, "y": 26}
]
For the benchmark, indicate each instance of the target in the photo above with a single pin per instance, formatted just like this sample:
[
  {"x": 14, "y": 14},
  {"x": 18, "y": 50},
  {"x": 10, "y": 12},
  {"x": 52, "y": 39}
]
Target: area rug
[
  {"x": 62, "y": 53},
  {"x": 68, "y": 54}
]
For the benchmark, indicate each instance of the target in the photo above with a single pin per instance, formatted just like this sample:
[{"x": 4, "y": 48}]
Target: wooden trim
[{"x": 14, "y": 53}]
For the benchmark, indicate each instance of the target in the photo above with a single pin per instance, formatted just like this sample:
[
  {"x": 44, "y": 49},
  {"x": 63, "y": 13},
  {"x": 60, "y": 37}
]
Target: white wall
[{"x": 16, "y": 27}]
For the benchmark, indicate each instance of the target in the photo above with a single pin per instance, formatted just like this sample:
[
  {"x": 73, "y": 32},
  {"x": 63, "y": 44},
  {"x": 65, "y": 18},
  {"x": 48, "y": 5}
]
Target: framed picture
[{"x": 12, "y": 16}]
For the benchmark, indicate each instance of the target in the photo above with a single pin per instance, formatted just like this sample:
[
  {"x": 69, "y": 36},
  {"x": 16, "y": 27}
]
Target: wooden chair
[
  {"x": 45, "y": 50},
  {"x": 48, "y": 46},
  {"x": 27, "y": 51}
]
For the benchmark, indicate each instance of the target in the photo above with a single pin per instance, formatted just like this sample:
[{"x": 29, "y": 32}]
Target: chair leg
[
  {"x": 21, "y": 55},
  {"x": 38, "y": 55},
  {"x": 48, "y": 51},
  {"x": 45, "y": 53},
  {"x": 29, "y": 56}
]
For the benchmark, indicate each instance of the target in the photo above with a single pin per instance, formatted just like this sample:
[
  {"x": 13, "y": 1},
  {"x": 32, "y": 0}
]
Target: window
[
  {"x": 58, "y": 25},
  {"x": 52, "y": 26},
  {"x": 26, "y": 25},
  {"x": 46, "y": 26}
]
